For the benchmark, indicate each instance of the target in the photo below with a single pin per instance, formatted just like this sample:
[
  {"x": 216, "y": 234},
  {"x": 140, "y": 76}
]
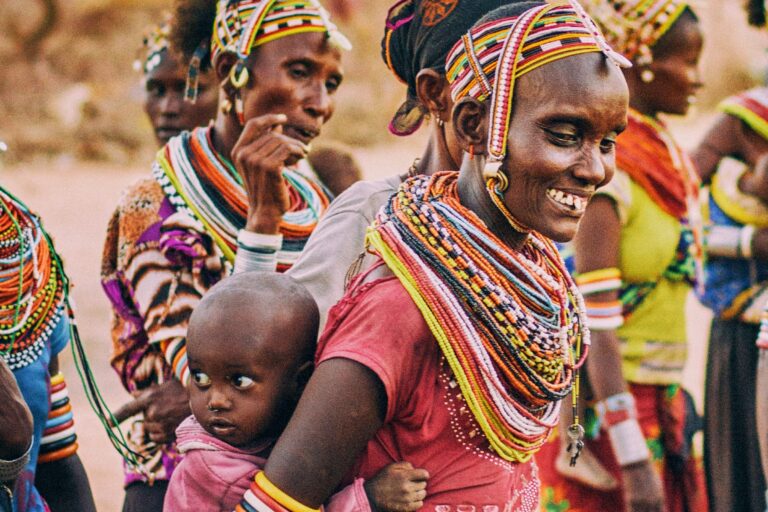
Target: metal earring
[
  {"x": 647, "y": 76},
  {"x": 440, "y": 122},
  {"x": 226, "y": 106},
  {"x": 502, "y": 183}
]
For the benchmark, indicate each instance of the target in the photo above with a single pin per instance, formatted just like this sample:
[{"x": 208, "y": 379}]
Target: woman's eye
[
  {"x": 608, "y": 145},
  {"x": 563, "y": 138},
  {"x": 298, "y": 72},
  {"x": 200, "y": 379},
  {"x": 332, "y": 85},
  {"x": 242, "y": 382}
]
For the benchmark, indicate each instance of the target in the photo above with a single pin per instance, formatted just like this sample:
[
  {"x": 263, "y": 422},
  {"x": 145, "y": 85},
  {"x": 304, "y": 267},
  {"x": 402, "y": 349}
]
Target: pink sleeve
[
  {"x": 385, "y": 332},
  {"x": 352, "y": 498}
]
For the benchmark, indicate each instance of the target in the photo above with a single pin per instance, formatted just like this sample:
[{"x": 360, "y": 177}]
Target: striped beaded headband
[
  {"x": 241, "y": 26},
  {"x": 634, "y": 26},
  {"x": 153, "y": 45},
  {"x": 751, "y": 107},
  {"x": 492, "y": 56}
]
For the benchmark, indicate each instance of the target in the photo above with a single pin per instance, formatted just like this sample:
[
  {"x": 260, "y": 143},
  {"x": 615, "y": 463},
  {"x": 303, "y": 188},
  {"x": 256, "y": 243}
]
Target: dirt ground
[{"x": 76, "y": 200}]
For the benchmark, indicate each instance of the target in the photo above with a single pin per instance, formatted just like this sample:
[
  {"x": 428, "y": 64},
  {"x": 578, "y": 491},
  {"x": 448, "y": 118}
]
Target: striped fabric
[
  {"x": 241, "y": 26},
  {"x": 59, "y": 438},
  {"x": 751, "y": 107},
  {"x": 488, "y": 60}
]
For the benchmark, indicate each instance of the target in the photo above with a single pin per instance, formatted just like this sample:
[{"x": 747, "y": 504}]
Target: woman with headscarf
[
  {"x": 733, "y": 159},
  {"x": 238, "y": 193},
  {"x": 35, "y": 326},
  {"x": 458, "y": 362},
  {"x": 637, "y": 255},
  {"x": 418, "y": 35}
]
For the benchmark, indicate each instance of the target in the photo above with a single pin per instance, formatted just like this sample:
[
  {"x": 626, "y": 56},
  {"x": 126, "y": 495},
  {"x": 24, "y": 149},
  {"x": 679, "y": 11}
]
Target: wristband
[
  {"x": 745, "y": 241},
  {"x": 616, "y": 408},
  {"x": 10, "y": 469},
  {"x": 257, "y": 251},
  {"x": 723, "y": 241},
  {"x": 628, "y": 442},
  {"x": 265, "y": 496},
  {"x": 602, "y": 315}
]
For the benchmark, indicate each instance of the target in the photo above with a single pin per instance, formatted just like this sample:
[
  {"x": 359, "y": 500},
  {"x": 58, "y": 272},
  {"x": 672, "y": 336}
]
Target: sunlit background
[{"x": 70, "y": 114}]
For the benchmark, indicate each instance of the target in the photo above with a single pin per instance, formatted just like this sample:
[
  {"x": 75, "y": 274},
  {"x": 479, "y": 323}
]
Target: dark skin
[
  {"x": 597, "y": 242},
  {"x": 288, "y": 98},
  {"x": 15, "y": 418},
  {"x": 164, "y": 102},
  {"x": 352, "y": 390}
]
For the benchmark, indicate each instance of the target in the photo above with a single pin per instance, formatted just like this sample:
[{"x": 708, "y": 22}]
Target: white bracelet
[
  {"x": 723, "y": 241},
  {"x": 745, "y": 240},
  {"x": 628, "y": 442},
  {"x": 257, "y": 251}
]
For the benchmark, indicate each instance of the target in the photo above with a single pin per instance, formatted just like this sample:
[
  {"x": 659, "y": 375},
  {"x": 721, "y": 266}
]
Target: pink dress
[{"x": 427, "y": 420}]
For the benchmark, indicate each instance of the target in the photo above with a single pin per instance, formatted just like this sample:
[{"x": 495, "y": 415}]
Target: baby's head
[{"x": 250, "y": 345}]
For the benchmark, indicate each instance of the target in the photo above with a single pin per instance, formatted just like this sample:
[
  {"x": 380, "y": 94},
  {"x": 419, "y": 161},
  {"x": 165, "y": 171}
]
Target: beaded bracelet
[
  {"x": 602, "y": 315},
  {"x": 10, "y": 469},
  {"x": 59, "y": 439},
  {"x": 619, "y": 414},
  {"x": 745, "y": 241},
  {"x": 263, "y": 495},
  {"x": 257, "y": 251}
]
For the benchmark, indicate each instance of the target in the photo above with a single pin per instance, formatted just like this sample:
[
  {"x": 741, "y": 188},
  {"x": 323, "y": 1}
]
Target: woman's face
[
  {"x": 561, "y": 145},
  {"x": 164, "y": 100},
  {"x": 297, "y": 76},
  {"x": 675, "y": 69}
]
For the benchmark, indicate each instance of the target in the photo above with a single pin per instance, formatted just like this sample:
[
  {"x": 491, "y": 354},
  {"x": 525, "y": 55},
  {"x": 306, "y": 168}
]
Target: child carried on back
[{"x": 250, "y": 345}]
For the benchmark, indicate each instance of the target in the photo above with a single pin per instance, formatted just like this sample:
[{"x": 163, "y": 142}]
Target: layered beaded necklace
[
  {"x": 509, "y": 322},
  {"x": 31, "y": 285},
  {"x": 203, "y": 184}
]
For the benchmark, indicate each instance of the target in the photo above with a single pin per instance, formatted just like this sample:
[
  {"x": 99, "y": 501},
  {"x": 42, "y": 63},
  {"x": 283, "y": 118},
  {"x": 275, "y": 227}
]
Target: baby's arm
[{"x": 396, "y": 488}]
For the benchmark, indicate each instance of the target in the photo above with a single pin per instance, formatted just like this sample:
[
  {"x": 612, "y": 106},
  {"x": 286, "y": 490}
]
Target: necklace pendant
[{"x": 576, "y": 442}]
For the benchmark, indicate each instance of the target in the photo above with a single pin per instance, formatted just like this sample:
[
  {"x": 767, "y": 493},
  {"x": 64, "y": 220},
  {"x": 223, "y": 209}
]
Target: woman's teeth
[{"x": 564, "y": 198}]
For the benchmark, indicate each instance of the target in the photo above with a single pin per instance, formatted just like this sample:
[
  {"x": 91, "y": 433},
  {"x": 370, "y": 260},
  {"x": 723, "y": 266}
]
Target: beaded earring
[{"x": 226, "y": 106}]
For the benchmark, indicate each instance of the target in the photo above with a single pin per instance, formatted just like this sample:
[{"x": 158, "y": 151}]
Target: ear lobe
[
  {"x": 431, "y": 88},
  {"x": 470, "y": 123}
]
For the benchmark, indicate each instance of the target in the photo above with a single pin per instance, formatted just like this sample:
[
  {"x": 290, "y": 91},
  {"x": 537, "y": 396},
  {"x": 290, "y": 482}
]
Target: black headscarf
[{"x": 418, "y": 35}]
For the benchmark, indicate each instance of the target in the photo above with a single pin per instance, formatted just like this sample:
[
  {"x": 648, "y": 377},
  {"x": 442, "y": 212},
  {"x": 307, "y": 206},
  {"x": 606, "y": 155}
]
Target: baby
[{"x": 250, "y": 345}]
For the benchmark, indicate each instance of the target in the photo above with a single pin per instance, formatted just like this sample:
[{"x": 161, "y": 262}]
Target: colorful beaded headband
[
  {"x": 751, "y": 107},
  {"x": 488, "y": 60},
  {"x": 634, "y": 26},
  {"x": 154, "y": 44},
  {"x": 241, "y": 26}
]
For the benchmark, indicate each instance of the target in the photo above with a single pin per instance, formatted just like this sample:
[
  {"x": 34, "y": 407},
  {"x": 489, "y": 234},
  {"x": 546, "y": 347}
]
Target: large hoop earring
[
  {"x": 501, "y": 183},
  {"x": 239, "y": 75}
]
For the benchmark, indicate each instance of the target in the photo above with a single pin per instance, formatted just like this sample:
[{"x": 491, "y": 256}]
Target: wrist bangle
[
  {"x": 723, "y": 241},
  {"x": 628, "y": 442},
  {"x": 745, "y": 240},
  {"x": 10, "y": 469},
  {"x": 257, "y": 251},
  {"x": 616, "y": 409}
]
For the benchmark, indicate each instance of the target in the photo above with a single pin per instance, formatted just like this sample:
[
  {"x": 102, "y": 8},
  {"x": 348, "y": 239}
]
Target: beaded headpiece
[
  {"x": 241, "y": 26},
  {"x": 491, "y": 56},
  {"x": 634, "y": 26},
  {"x": 751, "y": 107},
  {"x": 155, "y": 42}
]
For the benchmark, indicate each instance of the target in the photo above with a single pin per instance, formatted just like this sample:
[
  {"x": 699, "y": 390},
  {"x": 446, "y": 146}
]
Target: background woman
[
  {"x": 737, "y": 279},
  {"x": 637, "y": 253},
  {"x": 424, "y": 366},
  {"x": 417, "y": 39},
  {"x": 237, "y": 193},
  {"x": 34, "y": 328}
]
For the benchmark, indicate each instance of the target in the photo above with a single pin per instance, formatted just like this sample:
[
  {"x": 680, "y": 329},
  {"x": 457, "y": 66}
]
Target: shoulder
[{"x": 619, "y": 190}]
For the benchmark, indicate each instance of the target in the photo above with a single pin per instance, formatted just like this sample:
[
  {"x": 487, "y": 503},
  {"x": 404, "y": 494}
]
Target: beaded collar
[{"x": 509, "y": 322}]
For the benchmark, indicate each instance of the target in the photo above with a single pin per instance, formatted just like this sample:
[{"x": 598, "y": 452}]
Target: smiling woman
[
  {"x": 489, "y": 334},
  {"x": 237, "y": 193}
]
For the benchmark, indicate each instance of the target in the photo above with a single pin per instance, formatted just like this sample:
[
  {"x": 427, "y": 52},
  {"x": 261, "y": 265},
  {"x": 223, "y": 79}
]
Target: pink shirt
[{"x": 427, "y": 420}]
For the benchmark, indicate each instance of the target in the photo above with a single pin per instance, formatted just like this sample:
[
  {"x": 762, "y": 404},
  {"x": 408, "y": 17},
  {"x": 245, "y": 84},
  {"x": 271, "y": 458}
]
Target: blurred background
[{"x": 71, "y": 116}]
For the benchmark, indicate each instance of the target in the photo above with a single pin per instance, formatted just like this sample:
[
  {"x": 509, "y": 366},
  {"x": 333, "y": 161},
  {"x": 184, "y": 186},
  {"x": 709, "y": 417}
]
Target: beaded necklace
[
  {"x": 31, "y": 287},
  {"x": 508, "y": 322},
  {"x": 203, "y": 184}
]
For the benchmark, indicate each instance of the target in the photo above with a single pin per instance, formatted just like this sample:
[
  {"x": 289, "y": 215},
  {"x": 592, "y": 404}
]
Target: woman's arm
[
  {"x": 341, "y": 409},
  {"x": 719, "y": 142},
  {"x": 597, "y": 247}
]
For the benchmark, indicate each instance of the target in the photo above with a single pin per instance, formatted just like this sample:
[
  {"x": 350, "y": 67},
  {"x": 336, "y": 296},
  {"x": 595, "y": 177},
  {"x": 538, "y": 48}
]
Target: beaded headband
[
  {"x": 634, "y": 26},
  {"x": 491, "y": 56},
  {"x": 751, "y": 107},
  {"x": 155, "y": 42},
  {"x": 241, "y": 26}
]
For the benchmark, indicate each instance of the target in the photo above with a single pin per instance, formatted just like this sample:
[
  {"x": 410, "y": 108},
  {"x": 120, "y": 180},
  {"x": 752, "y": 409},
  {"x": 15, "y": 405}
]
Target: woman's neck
[
  {"x": 436, "y": 156},
  {"x": 225, "y": 134},
  {"x": 473, "y": 194},
  {"x": 638, "y": 104}
]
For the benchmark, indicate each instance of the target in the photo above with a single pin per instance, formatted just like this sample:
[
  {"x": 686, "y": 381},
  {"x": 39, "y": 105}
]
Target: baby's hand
[{"x": 397, "y": 488}]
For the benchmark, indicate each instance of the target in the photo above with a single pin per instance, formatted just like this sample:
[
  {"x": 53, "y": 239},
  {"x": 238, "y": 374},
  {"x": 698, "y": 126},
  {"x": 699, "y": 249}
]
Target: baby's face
[{"x": 238, "y": 394}]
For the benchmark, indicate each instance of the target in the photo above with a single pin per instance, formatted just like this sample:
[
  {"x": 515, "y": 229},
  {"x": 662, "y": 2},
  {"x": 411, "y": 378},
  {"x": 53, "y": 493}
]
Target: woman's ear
[
  {"x": 470, "y": 124},
  {"x": 223, "y": 65},
  {"x": 434, "y": 92}
]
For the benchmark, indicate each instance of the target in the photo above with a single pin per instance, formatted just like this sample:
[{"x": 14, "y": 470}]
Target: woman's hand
[
  {"x": 260, "y": 154},
  {"x": 643, "y": 491},
  {"x": 164, "y": 406},
  {"x": 15, "y": 418}
]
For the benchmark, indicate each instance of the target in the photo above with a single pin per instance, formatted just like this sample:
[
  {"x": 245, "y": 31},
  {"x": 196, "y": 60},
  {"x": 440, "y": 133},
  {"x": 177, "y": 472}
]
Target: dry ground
[{"x": 75, "y": 201}]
